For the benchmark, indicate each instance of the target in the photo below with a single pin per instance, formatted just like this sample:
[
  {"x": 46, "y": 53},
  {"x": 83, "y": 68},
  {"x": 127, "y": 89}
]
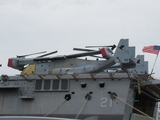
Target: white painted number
[{"x": 104, "y": 102}]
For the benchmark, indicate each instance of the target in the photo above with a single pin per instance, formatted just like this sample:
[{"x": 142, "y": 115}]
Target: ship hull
[{"x": 49, "y": 102}]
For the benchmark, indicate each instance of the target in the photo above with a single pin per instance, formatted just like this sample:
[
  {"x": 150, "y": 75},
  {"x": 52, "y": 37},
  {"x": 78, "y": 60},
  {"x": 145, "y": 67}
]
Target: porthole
[
  {"x": 101, "y": 84},
  {"x": 83, "y": 85}
]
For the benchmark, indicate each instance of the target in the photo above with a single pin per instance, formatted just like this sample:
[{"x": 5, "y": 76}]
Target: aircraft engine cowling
[
  {"x": 106, "y": 52},
  {"x": 13, "y": 63}
]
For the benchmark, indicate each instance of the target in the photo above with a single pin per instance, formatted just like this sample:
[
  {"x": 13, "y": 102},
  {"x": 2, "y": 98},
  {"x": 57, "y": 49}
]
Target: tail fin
[
  {"x": 124, "y": 54},
  {"x": 141, "y": 66}
]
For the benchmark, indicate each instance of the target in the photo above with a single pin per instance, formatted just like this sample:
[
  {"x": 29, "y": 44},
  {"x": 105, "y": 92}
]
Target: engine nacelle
[
  {"x": 106, "y": 52},
  {"x": 13, "y": 63}
]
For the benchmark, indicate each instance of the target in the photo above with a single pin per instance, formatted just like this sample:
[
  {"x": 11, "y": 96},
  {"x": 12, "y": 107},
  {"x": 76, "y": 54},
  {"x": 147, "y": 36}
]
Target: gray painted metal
[
  {"x": 45, "y": 101},
  {"x": 69, "y": 64},
  {"x": 139, "y": 117},
  {"x": 63, "y": 77},
  {"x": 41, "y": 118}
]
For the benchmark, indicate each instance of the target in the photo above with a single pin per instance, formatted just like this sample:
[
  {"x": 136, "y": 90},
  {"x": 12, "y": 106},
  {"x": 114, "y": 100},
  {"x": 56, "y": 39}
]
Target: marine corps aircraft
[{"x": 69, "y": 64}]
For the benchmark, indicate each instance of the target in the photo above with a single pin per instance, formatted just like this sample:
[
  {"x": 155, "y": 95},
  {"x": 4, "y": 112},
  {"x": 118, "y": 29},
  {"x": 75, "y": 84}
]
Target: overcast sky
[{"x": 29, "y": 26}]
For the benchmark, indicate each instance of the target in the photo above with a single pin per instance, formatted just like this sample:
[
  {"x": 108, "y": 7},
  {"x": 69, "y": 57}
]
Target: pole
[
  {"x": 155, "y": 62},
  {"x": 157, "y": 116}
]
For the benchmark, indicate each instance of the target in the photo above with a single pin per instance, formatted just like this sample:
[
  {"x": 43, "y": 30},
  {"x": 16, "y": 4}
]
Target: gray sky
[{"x": 28, "y": 26}]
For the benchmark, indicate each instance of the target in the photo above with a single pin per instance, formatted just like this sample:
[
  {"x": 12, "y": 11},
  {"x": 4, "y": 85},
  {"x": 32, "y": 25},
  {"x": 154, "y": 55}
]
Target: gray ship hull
[
  {"x": 30, "y": 118},
  {"x": 40, "y": 118},
  {"x": 15, "y": 101}
]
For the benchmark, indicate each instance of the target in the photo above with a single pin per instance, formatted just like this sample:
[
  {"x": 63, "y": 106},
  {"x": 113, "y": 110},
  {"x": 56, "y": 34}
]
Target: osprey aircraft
[{"x": 69, "y": 64}]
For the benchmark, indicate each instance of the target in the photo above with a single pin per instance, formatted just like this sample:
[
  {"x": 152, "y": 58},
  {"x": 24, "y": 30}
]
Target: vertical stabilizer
[
  {"x": 141, "y": 66},
  {"x": 125, "y": 55}
]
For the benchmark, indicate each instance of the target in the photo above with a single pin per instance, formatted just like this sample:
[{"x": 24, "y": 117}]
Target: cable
[
  {"x": 81, "y": 108},
  {"x": 134, "y": 108}
]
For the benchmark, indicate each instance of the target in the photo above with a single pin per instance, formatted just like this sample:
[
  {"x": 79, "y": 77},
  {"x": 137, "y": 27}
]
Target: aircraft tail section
[
  {"x": 141, "y": 66},
  {"x": 124, "y": 54}
]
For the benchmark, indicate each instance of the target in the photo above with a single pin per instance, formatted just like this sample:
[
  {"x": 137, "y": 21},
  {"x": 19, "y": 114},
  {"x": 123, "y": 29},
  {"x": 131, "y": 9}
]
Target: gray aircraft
[
  {"x": 115, "y": 86},
  {"x": 64, "y": 64}
]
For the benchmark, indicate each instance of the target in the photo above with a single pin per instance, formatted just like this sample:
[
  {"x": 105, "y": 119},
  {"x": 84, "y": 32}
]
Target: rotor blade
[
  {"x": 113, "y": 46},
  {"x": 90, "y": 53},
  {"x": 81, "y": 49},
  {"x": 47, "y": 54},
  {"x": 97, "y": 56},
  {"x": 30, "y": 54},
  {"x": 99, "y": 46},
  {"x": 63, "y": 57}
]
